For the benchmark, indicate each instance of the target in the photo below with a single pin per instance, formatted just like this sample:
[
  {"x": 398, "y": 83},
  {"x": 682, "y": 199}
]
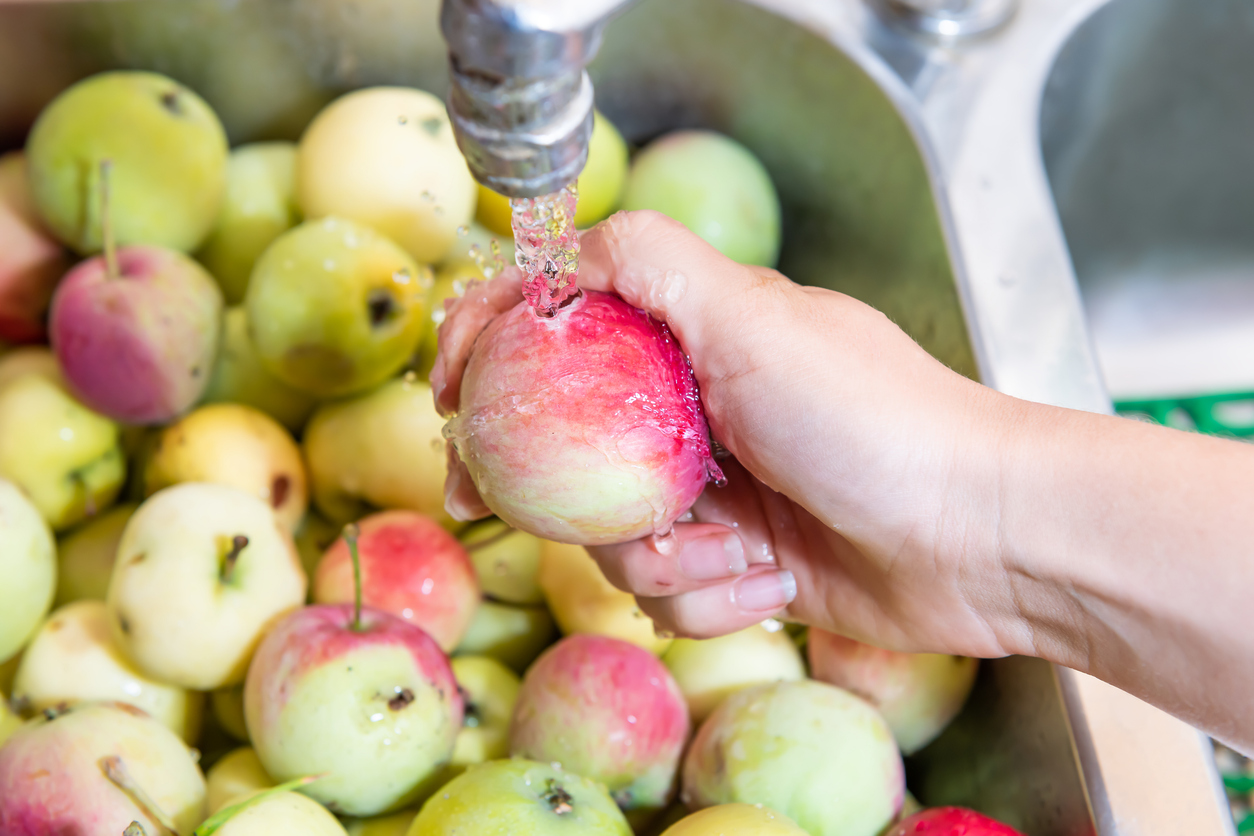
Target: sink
[
  {"x": 910, "y": 176},
  {"x": 1146, "y": 127}
]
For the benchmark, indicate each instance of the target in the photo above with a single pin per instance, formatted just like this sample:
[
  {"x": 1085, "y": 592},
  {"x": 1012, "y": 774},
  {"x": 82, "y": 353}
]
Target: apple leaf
[{"x": 215, "y": 822}]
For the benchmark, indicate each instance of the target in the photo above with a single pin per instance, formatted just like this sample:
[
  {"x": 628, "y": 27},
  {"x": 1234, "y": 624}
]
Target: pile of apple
[{"x": 249, "y": 332}]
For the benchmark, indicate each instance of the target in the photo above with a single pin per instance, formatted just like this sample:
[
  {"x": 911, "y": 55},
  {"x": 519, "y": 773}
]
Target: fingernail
[
  {"x": 455, "y": 509},
  {"x": 765, "y": 591},
  {"x": 713, "y": 557}
]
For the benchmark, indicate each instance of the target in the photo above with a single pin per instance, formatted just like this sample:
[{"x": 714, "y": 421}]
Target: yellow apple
[
  {"x": 29, "y": 358},
  {"x": 28, "y": 565},
  {"x": 73, "y": 658},
  {"x": 583, "y": 601},
  {"x": 85, "y": 555},
  {"x": 397, "y": 824},
  {"x": 513, "y": 635},
  {"x": 9, "y": 722},
  {"x": 506, "y": 560},
  {"x": 234, "y": 445},
  {"x": 735, "y": 820},
  {"x": 387, "y": 157},
  {"x": 284, "y": 812},
  {"x": 237, "y": 773},
  {"x": 228, "y": 710}
]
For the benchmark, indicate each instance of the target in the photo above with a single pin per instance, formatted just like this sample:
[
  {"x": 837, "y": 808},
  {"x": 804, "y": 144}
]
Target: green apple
[
  {"x": 513, "y": 635},
  {"x": 714, "y": 186},
  {"x": 735, "y": 820},
  {"x": 85, "y": 555},
  {"x": 260, "y": 205},
  {"x": 228, "y": 710},
  {"x": 237, "y": 773},
  {"x": 28, "y": 564},
  {"x": 234, "y": 445},
  {"x": 334, "y": 308},
  {"x": 711, "y": 669},
  {"x": 507, "y": 561},
  {"x": 384, "y": 449},
  {"x": 73, "y": 658},
  {"x": 240, "y": 377},
  {"x": 396, "y": 824},
  {"x": 169, "y": 155},
  {"x": 64, "y": 456},
  {"x": 9, "y": 721},
  {"x": 202, "y": 572},
  {"x": 489, "y": 690},
  {"x": 365, "y": 699},
  {"x": 814, "y": 752},
  {"x": 29, "y": 358},
  {"x": 387, "y": 157},
  {"x": 282, "y": 812},
  {"x": 583, "y": 601},
  {"x": 94, "y": 769},
  {"x": 600, "y": 183},
  {"x": 522, "y": 798}
]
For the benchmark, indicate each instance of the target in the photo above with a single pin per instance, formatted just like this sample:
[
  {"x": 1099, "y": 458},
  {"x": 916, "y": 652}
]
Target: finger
[
  {"x": 691, "y": 557},
  {"x": 719, "y": 609},
  {"x": 464, "y": 319},
  {"x": 658, "y": 264},
  {"x": 461, "y": 498},
  {"x": 738, "y": 505}
]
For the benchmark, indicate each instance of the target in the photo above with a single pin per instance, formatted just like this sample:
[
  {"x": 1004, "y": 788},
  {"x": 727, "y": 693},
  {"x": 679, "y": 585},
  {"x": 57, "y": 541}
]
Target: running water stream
[{"x": 547, "y": 247}]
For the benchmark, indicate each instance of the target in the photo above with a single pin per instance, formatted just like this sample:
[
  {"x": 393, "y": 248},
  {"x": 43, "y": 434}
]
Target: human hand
[{"x": 845, "y": 435}]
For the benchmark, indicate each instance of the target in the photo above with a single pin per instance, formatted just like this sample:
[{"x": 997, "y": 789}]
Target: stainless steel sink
[{"x": 911, "y": 176}]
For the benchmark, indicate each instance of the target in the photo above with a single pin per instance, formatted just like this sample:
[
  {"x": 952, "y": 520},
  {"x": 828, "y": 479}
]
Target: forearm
[{"x": 1129, "y": 554}]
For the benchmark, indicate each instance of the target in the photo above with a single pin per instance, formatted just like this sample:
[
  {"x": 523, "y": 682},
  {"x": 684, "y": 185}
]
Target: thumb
[{"x": 660, "y": 266}]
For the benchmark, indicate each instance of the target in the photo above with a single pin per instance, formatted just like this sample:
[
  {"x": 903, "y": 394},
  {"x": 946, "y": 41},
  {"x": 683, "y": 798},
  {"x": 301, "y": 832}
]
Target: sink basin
[
  {"x": 910, "y": 176},
  {"x": 1146, "y": 127}
]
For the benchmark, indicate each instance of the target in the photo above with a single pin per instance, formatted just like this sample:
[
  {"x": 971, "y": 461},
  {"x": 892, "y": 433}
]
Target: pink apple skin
[
  {"x": 585, "y": 427},
  {"x": 51, "y": 781},
  {"x": 140, "y": 347},
  {"x": 410, "y": 567},
  {"x": 951, "y": 821},
  {"x": 314, "y": 663},
  {"x": 607, "y": 710},
  {"x": 31, "y": 260},
  {"x": 918, "y": 693}
]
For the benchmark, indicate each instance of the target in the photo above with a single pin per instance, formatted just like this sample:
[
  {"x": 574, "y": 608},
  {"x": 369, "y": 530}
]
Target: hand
[{"x": 844, "y": 434}]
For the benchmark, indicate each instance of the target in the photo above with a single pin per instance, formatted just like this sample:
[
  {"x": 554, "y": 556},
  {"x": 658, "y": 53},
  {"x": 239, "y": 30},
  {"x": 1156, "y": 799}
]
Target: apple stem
[
  {"x": 134, "y": 829},
  {"x": 489, "y": 541},
  {"x": 115, "y": 770},
  {"x": 351, "y": 533},
  {"x": 559, "y": 801},
  {"x": 238, "y": 543},
  {"x": 106, "y": 221}
]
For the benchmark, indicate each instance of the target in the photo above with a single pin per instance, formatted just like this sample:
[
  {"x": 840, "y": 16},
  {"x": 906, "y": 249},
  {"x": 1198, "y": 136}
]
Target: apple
[
  {"x": 94, "y": 769},
  {"x": 397, "y": 824},
  {"x": 281, "y": 812},
  {"x": 31, "y": 260},
  {"x": 522, "y": 798},
  {"x": 506, "y": 560},
  {"x": 583, "y": 601},
  {"x": 8, "y": 670},
  {"x": 334, "y": 308},
  {"x": 234, "y": 445},
  {"x": 600, "y": 183},
  {"x": 202, "y": 572},
  {"x": 512, "y": 635},
  {"x": 9, "y": 721},
  {"x": 29, "y": 358},
  {"x": 237, "y": 773},
  {"x": 363, "y": 696},
  {"x": 64, "y": 456},
  {"x": 259, "y": 206},
  {"x": 313, "y": 538},
  {"x": 411, "y": 568},
  {"x": 608, "y": 710},
  {"x": 918, "y": 693},
  {"x": 735, "y": 820},
  {"x": 85, "y": 555},
  {"x": 387, "y": 157},
  {"x": 489, "y": 692},
  {"x": 714, "y": 186},
  {"x": 168, "y": 149},
  {"x": 951, "y": 821},
  {"x": 74, "y": 659},
  {"x": 28, "y": 565},
  {"x": 614, "y": 385},
  {"x": 711, "y": 669},
  {"x": 228, "y": 710},
  {"x": 136, "y": 332},
  {"x": 239, "y": 377},
  {"x": 383, "y": 449},
  {"x": 811, "y": 751}
]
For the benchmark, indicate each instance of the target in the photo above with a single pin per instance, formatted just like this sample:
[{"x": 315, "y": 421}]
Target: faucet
[{"x": 520, "y": 98}]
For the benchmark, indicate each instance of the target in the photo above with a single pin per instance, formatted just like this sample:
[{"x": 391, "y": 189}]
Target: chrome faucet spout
[{"x": 520, "y": 97}]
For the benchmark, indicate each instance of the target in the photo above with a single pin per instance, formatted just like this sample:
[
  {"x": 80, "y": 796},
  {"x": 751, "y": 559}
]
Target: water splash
[{"x": 548, "y": 247}]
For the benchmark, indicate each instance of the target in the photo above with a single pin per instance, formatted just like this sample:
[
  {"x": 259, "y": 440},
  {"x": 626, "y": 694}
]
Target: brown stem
[
  {"x": 238, "y": 543},
  {"x": 115, "y": 770}
]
